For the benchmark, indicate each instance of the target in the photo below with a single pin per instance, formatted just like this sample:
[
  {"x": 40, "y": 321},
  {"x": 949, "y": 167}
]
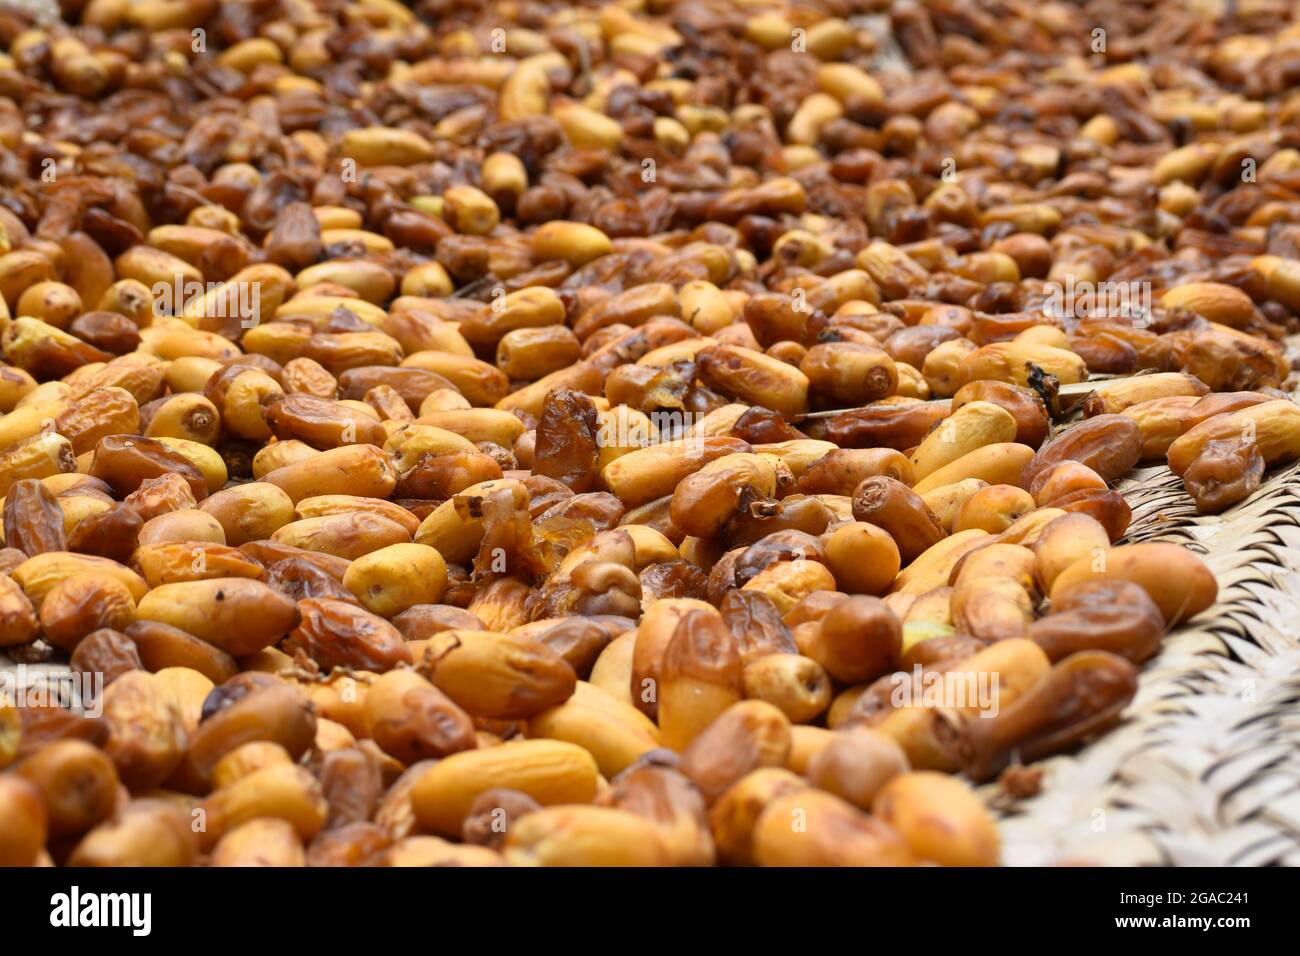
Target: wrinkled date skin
[
  {"x": 886, "y": 426},
  {"x": 499, "y": 676},
  {"x": 890, "y": 504},
  {"x": 778, "y": 546},
  {"x": 580, "y": 641},
  {"x": 110, "y": 534},
  {"x": 301, "y": 579},
  {"x": 756, "y": 625},
  {"x": 410, "y": 719},
  {"x": 321, "y": 423},
  {"x": 1224, "y": 473},
  {"x": 1114, "y": 616},
  {"x": 107, "y": 652},
  {"x": 841, "y": 471},
  {"x": 425, "y": 620},
  {"x": 352, "y": 785},
  {"x": 439, "y": 477},
  {"x": 334, "y": 633},
  {"x": 1109, "y": 507},
  {"x": 567, "y": 440},
  {"x": 33, "y": 520},
  {"x": 673, "y": 579},
  {"x": 491, "y": 814},
  {"x": 1108, "y": 444},
  {"x": 762, "y": 519},
  {"x": 757, "y": 424},
  {"x": 126, "y": 461},
  {"x": 1084, "y": 694}
]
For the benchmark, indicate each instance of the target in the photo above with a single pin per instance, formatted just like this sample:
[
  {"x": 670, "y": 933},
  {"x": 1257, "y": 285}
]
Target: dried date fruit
[
  {"x": 126, "y": 461},
  {"x": 755, "y": 624},
  {"x": 299, "y": 578},
  {"x": 18, "y": 621},
  {"x": 279, "y": 713},
  {"x": 351, "y": 844},
  {"x": 410, "y": 719},
  {"x": 1108, "y": 444},
  {"x": 334, "y": 633},
  {"x": 76, "y": 606},
  {"x": 78, "y": 784},
  {"x": 567, "y": 440},
  {"x": 352, "y": 784},
  {"x": 1084, "y": 694},
  {"x": 160, "y": 496},
  {"x": 112, "y": 534},
  {"x": 1225, "y": 472},
  {"x": 901, "y": 426},
  {"x": 499, "y": 676},
  {"x": 107, "y": 652},
  {"x": 161, "y": 645},
  {"x": 33, "y": 520},
  {"x": 1114, "y": 616},
  {"x": 743, "y": 738},
  {"x": 423, "y": 621},
  {"x": 492, "y": 813},
  {"x": 146, "y": 733},
  {"x": 900, "y": 511}
]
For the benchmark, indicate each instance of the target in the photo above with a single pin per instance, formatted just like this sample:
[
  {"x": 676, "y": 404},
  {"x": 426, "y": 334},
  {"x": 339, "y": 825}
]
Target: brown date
[
  {"x": 300, "y": 578},
  {"x": 334, "y": 633},
  {"x": 839, "y": 472},
  {"x": 423, "y": 621},
  {"x": 1108, "y": 444},
  {"x": 278, "y": 712},
  {"x": 351, "y": 844},
  {"x": 107, "y": 652},
  {"x": 891, "y": 505},
  {"x": 33, "y": 519},
  {"x": 1225, "y": 472},
  {"x": 567, "y": 440},
  {"x": 412, "y": 720},
  {"x": 492, "y": 813},
  {"x": 1101, "y": 615},
  {"x": 160, "y": 496},
  {"x": 321, "y": 422},
  {"x": 1082, "y": 695},
  {"x": 755, "y": 624},
  {"x": 78, "y": 605},
  {"x": 126, "y": 461},
  {"x": 161, "y": 645},
  {"x": 439, "y": 477},
  {"x": 352, "y": 785},
  {"x": 881, "y": 425},
  {"x": 1109, "y": 507},
  {"x": 1221, "y": 403}
]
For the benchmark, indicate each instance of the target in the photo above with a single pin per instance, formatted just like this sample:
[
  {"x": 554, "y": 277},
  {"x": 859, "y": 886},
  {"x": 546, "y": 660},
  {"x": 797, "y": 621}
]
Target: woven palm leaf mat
[{"x": 1205, "y": 769}]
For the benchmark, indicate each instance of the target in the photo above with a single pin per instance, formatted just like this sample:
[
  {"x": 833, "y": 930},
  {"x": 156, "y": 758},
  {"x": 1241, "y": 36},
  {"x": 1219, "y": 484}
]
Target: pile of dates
[{"x": 634, "y": 433}]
